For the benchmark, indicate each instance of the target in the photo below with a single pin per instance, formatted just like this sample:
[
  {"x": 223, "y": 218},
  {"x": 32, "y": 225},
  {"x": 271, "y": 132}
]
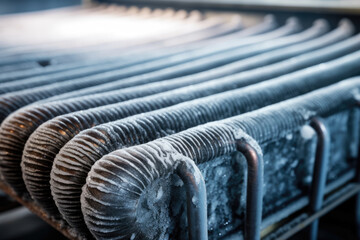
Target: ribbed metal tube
[
  {"x": 162, "y": 69},
  {"x": 74, "y": 160},
  {"x": 203, "y": 28},
  {"x": 101, "y": 136},
  {"x": 206, "y": 28},
  {"x": 115, "y": 183},
  {"x": 35, "y": 154},
  {"x": 127, "y": 59},
  {"x": 23, "y": 116}
]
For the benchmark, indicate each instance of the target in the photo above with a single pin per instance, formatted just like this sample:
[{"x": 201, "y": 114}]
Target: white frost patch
[
  {"x": 294, "y": 164},
  {"x": 307, "y": 114},
  {"x": 179, "y": 158},
  {"x": 356, "y": 93},
  {"x": 197, "y": 175},
  {"x": 159, "y": 193},
  {"x": 195, "y": 200},
  {"x": 240, "y": 134},
  {"x": 133, "y": 236},
  {"x": 289, "y": 136},
  {"x": 179, "y": 183},
  {"x": 307, "y": 132},
  {"x": 165, "y": 145}
]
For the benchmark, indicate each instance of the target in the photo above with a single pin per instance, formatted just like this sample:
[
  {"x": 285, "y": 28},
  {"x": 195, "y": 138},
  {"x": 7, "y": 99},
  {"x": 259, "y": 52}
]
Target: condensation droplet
[{"x": 307, "y": 132}]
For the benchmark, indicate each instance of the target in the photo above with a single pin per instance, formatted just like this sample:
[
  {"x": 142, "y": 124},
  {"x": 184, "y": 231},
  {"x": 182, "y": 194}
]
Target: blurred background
[
  {"x": 17, "y": 6},
  {"x": 16, "y": 221}
]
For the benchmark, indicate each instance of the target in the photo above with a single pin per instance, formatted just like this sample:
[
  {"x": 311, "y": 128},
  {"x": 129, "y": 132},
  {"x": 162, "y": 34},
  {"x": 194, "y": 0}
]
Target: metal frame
[
  {"x": 191, "y": 175},
  {"x": 253, "y": 211},
  {"x": 196, "y": 193},
  {"x": 357, "y": 180},
  {"x": 348, "y": 191},
  {"x": 317, "y": 193},
  {"x": 254, "y": 189},
  {"x": 195, "y": 187},
  {"x": 357, "y": 203},
  {"x": 195, "y": 199},
  {"x": 320, "y": 171}
]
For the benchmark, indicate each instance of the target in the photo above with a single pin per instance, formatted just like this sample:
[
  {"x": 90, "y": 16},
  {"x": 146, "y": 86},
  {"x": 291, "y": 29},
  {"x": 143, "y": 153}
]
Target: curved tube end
[
  {"x": 347, "y": 24},
  {"x": 255, "y": 177},
  {"x": 118, "y": 185}
]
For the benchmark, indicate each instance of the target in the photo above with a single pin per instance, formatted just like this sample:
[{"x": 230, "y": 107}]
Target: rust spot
[{"x": 62, "y": 132}]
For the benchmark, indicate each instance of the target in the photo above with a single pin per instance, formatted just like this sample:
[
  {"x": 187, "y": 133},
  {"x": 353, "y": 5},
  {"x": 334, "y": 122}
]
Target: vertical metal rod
[
  {"x": 195, "y": 199},
  {"x": 357, "y": 197},
  {"x": 357, "y": 179},
  {"x": 317, "y": 190},
  {"x": 254, "y": 198}
]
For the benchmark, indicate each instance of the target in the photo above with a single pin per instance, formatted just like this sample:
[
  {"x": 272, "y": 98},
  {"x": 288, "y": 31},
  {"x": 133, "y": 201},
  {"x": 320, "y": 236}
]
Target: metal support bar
[
  {"x": 317, "y": 190},
  {"x": 254, "y": 198},
  {"x": 340, "y": 197},
  {"x": 195, "y": 199},
  {"x": 357, "y": 198}
]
